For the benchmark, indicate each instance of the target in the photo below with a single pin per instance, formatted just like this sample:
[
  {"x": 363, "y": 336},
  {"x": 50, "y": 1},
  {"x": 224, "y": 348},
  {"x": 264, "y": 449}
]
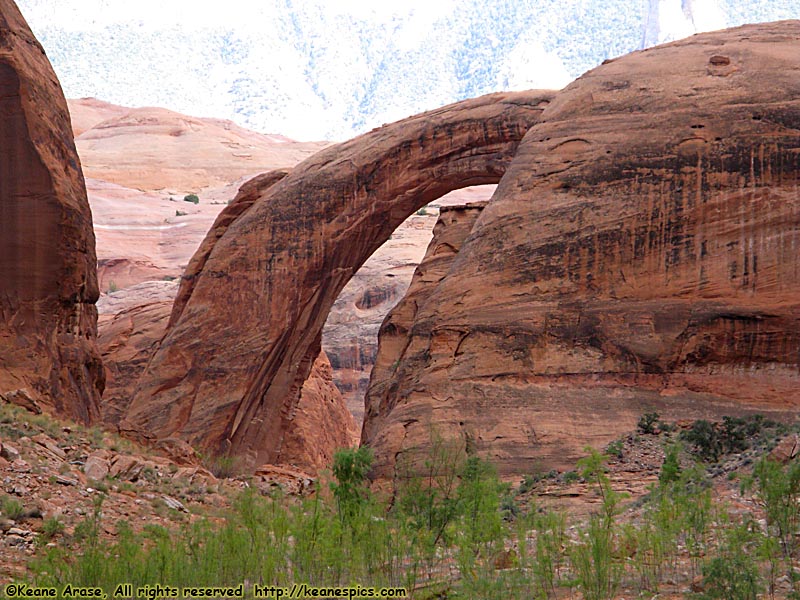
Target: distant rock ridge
[{"x": 48, "y": 277}]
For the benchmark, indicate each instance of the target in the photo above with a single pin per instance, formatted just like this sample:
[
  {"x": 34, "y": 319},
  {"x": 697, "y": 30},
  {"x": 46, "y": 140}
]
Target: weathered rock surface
[
  {"x": 638, "y": 255},
  {"x": 451, "y": 229},
  {"x": 48, "y": 283},
  {"x": 320, "y": 425},
  {"x": 228, "y": 374}
]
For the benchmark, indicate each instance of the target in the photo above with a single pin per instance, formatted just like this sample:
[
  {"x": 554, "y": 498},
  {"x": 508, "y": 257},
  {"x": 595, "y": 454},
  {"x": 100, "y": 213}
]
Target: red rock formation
[
  {"x": 229, "y": 372},
  {"x": 48, "y": 282},
  {"x": 640, "y": 254},
  {"x": 127, "y": 340}
]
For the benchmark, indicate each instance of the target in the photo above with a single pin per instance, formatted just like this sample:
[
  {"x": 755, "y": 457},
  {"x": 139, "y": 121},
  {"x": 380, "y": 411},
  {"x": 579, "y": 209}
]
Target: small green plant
[
  {"x": 12, "y": 508},
  {"x": 615, "y": 448},
  {"x": 112, "y": 287},
  {"x": 422, "y": 212},
  {"x": 671, "y": 467},
  {"x": 180, "y": 213},
  {"x": 193, "y": 198},
  {"x": 597, "y": 572},
  {"x": 571, "y": 477},
  {"x": 733, "y": 574},
  {"x": 350, "y": 468},
  {"x": 222, "y": 467},
  {"x": 51, "y": 527}
]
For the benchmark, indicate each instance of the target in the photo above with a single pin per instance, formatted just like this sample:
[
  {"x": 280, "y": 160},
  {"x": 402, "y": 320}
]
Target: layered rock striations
[
  {"x": 639, "y": 254},
  {"x": 48, "y": 282},
  {"x": 228, "y": 374}
]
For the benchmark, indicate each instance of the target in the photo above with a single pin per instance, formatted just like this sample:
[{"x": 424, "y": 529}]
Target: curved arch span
[{"x": 246, "y": 326}]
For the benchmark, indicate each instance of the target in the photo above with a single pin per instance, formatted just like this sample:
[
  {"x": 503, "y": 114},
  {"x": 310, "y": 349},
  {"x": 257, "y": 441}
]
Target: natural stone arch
[{"x": 246, "y": 327}]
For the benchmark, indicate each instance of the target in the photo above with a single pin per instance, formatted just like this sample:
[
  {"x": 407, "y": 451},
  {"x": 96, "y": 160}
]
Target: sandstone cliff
[
  {"x": 639, "y": 254},
  {"x": 48, "y": 283}
]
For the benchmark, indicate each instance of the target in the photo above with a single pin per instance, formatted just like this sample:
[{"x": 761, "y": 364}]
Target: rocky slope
[
  {"x": 638, "y": 255},
  {"x": 231, "y": 378},
  {"x": 48, "y": 283}
]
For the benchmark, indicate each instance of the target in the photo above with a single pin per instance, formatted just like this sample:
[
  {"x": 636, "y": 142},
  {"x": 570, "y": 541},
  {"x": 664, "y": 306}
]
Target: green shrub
[
  {"x": 597, "y": 572},
  {"x": 705, "y": 439},
  {"x": 51, "y": 527},
  {"x": 191, "y": 198},
  {"x": 647, "y": 423},
  {"x": 615, "y": 448},
  {"x": 350, "y": 468},
  {"x": 733, "y": 574},
  {"x": 671, "y": 467}
]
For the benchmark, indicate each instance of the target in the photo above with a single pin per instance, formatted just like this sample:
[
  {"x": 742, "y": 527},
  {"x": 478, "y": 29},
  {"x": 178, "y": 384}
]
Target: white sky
[{"x": 86, "y": 14}]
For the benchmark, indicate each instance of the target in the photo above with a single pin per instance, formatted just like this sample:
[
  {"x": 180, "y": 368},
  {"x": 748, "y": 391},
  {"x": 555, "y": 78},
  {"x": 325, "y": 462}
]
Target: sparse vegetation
[
  {"x": 180, "y": 213},
  {"x": 112, "y": 287},
  {"x": 648, "y": 423},
  {"x": 452, "y": 529},
  {"x": 11, "y": 508},
  {"x": 193, "y": 198}
]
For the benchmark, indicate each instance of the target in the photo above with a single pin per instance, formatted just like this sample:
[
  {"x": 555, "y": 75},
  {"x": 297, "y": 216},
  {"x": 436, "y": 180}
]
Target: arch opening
[{"x": 350, "y": 337}]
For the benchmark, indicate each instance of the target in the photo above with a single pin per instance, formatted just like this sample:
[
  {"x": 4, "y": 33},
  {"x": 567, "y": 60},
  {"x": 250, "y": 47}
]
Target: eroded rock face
[
  {"x": 640, "y": 254},
  {"x": 48, "y": 281},
  {"x": 228, "y": 375}
]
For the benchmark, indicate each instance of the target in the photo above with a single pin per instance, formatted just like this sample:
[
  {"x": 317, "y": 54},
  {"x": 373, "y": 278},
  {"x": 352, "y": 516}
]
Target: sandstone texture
[
  {"x": 127, "y": 339},
  {"x": 638, "y": 255},
  {"x": 350, "y": 335},
  {"x": 227, "y": 376},
  {"x": 48, "y": 283}
]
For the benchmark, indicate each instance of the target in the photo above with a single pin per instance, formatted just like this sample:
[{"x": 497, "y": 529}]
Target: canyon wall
[
  {"x": 48, "y": 280},
  {"x": 246, "y": 329}
]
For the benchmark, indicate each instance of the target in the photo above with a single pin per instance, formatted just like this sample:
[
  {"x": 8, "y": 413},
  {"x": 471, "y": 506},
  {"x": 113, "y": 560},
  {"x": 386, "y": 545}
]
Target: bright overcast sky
[{"x": 85, "y": 14}]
